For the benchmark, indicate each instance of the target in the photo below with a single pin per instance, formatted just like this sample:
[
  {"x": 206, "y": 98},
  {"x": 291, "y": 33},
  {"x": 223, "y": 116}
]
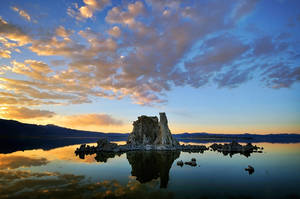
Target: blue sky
[{"x": 212, "y": 66}]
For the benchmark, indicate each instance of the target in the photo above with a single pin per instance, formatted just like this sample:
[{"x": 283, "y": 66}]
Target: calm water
[{"x": 58, "y": 173}]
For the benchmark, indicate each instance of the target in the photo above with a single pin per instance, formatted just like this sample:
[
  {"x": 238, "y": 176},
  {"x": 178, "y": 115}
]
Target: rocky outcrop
[
  {"x": 151, "y": 131},
  {"x": 103, "y": 145},
  {"x": 148, "y": 134},
  {"x": 234, "y": 147}
]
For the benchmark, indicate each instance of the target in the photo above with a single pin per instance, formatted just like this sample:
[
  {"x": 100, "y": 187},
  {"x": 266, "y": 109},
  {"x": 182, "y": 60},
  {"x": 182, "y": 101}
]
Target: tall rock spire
[
  {"x": 165, "y": 137},
  {"x": 149, "y": 131}
]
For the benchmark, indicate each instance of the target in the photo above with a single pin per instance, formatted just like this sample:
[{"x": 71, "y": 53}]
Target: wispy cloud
[{"x": 22, "y": 13}]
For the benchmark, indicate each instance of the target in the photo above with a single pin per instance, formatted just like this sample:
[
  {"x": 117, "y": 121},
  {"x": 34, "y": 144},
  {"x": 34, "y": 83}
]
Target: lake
[{"x": 59, "y": 173}]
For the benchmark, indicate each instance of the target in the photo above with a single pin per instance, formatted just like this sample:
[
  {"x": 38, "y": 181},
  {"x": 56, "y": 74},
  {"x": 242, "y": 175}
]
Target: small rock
[
  {"x": 192, "y": 162},
  {"x": 180, "y": 163},
  {"x": 110, "y": 147},
  {"x": 250, "y": 169},
  {"x": 101, "y": 142}
]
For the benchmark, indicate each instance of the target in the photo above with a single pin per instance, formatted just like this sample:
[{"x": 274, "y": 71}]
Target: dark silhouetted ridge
[
  {"x": 12, "y": 128},
  {"x": 16, "y": 136}
]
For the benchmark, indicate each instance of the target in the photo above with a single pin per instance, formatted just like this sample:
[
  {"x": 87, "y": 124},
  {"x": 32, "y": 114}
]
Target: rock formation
[
  {"x": 151, "y": 134},
  {"x": 234, "y": 147},
  {"x": 151, "y": 131},
  {"x": 165, "y": 137},
  {"x": 148, "y": 134}
]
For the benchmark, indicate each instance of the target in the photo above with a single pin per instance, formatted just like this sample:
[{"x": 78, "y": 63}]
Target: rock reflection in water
[
  {"x": 149, "y": 165},
  {"x": 100, "y": 156},
  {"x": 145, "y": 165},
  {"x": 104, "y": 156},
  {"x": 226, "y": 153}
]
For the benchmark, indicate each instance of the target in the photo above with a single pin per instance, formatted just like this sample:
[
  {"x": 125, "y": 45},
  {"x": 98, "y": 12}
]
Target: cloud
[
  {"x": 25, "y": 93},
  {"x": 5, "y": 53},
  {"x": 22, "y": 13},
  {"x": 88, "y": 10},
  {"x": 13, "y": 112},
  {"x": 143, "y": 51},
  {"x": 218, "y": 54},
  {"x": 115, "y": 15},
  {"x": 19, "y": 99},
  {"x": 233, "y": 78},
  {"x": 33, "y": 69},
  {"x": 60, "y": 62},
  {"x": 243, "y": 8},
  {"x": 85, "y": 120},
  {"x": 91, "y": 6},
  {"x": 281, "y": 75},
  {"x": 62, "y": 32},
  {"x": 115, "y": 31},
  {"x": 263, "y": 46},
  {"x": 54, "y": 46},
  {"x": 13, "y": 33}
]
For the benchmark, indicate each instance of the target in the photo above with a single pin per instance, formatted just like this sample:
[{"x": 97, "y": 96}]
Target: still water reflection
[
  {"x": 150, "y": 165},
  {"x": 58, "y": 173}
]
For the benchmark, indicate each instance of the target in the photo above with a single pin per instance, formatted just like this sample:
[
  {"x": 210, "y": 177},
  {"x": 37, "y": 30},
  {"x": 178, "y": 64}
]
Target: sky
[{"x": 222, "y": 66}]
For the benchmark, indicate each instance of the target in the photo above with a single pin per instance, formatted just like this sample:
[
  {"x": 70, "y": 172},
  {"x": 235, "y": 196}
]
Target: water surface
[{"x": 59, "y": 173}]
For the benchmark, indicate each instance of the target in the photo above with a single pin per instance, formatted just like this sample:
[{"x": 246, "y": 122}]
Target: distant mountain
[
  {"x": 209, "y": 137},
  {"x": 16, "y": 136},
  {"x": 12, "y": 128}
]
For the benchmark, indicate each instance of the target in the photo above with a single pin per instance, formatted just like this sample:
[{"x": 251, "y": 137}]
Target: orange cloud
[
  {"x": 88, "y": 10},
  {"x": 85, "y": 120},
  {"x": 13, "y": 33},
  {"x": 55, "y": 46},
  {"x": 5, "y": 42},
  {"x": 5, "y": 53},
  {"x": 62, "y": 32},
  {"x": 18, "y": 99},
  {"x": 91, "y": 6},
  {"x": 12, "y": 112}
]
